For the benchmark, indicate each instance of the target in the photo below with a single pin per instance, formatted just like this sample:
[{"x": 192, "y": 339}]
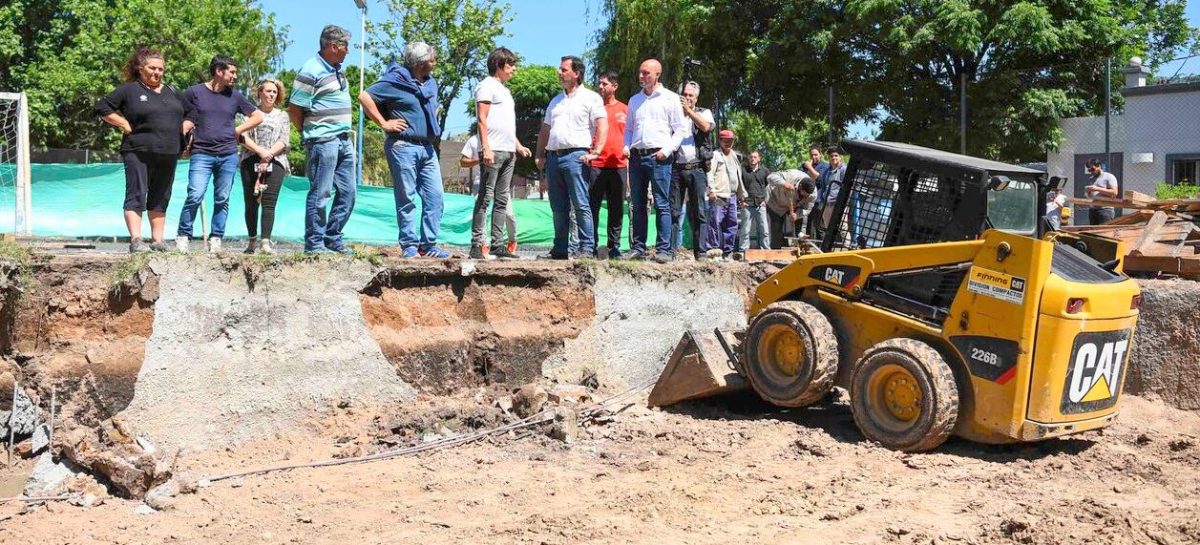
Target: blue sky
[{"x": 541, "y": 32}]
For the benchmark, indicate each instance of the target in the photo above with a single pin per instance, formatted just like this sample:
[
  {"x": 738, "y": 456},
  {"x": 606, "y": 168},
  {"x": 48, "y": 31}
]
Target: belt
[
  {"x": 565, "y": 151},
  {"x": 642, "y": 152},
  {"x": 686, "y": 166},
  {"x": 414, "y": 139}
]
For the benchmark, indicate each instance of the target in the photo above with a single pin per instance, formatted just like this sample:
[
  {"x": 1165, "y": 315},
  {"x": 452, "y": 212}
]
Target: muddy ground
[{"x": 719, "y": 471}]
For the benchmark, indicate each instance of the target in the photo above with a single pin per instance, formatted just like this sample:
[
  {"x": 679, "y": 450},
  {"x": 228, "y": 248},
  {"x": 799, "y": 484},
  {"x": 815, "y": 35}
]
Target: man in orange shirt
[{"x": 609, "y": 171}]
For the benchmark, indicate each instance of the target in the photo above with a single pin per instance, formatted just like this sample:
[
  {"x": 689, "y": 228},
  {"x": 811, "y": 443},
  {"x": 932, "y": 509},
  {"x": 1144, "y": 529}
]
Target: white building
[{"x": 1155, "y": 140}]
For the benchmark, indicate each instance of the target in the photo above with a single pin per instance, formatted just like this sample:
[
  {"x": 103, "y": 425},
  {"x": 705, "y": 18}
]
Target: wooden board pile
[{"x": 1160, "y": 235}]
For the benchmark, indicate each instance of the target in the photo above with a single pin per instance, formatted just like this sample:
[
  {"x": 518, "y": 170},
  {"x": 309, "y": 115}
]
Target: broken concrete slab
[
  {"x": 41, "y": 439},
  {"x": 566, "y": 425},
  {"x": 49, "y": 477},
  {"x": 240, "y": 354},
  {"x": 162, "y": 497},
  {"x": 23, "y": 417}
]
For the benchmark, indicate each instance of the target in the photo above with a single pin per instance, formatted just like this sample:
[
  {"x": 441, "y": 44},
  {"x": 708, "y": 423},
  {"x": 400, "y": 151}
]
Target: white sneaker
[
  {"x": 214, "y": 245},
  {"x": 181, "y": 244},
  {"x": 265, "y": 247},
  {"x": 251, "y": 245}
]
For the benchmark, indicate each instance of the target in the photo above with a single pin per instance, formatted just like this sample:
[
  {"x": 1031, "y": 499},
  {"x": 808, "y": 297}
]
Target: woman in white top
[{"x": 264, "y": 163}]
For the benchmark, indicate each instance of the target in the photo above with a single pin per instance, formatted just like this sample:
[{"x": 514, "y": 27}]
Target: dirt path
[{"x": 708, "y": 474}]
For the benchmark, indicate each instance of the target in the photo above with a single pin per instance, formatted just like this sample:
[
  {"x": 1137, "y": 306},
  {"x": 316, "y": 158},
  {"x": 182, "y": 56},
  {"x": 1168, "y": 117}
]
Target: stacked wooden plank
[{"x": 1160, "y": 235}]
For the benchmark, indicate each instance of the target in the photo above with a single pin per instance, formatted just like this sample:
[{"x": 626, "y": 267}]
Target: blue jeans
[
  {"x": 330, "y": 167},
  {"x": 204, "y": 166},
  {"x": 648, "y": 175},
  {"x": 416, "y": 173},
  {"x": 752, "y": 228},
  {"x": 569, "y": 192}
]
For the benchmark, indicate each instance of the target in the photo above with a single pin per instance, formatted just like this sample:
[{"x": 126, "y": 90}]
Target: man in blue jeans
[
  {"x": 654, "y": 130},
  {"x": 320, "y": 110},
  {"x": 215, "y": 105},
  {"x": 408, "y": 96},
  {"x": 573, "y": 131}
]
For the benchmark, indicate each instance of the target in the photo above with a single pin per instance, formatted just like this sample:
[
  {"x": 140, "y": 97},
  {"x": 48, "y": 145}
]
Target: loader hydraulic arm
[{"x": 847, "y": 272}]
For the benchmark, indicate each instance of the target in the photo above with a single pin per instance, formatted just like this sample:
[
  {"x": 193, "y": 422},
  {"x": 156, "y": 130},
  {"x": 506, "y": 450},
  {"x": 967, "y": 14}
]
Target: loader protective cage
[{"x": 898, "y": 194}]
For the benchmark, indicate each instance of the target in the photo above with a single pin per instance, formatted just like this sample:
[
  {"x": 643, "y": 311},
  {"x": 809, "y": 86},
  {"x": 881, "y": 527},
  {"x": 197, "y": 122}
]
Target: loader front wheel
[
  {"x": 903, "y": 395},
  {"x": 790, "y": 354}
]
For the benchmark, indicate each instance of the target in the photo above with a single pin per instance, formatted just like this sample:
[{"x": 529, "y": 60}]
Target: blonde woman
[{"x": 264, "y": 163}]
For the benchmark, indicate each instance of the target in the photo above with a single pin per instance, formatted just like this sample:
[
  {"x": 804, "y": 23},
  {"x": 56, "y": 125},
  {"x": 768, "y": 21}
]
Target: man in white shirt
[
  {"x": 1055, "y": 202},
  {"x": 470, "y": 159},
  {"x": 499, "y": 147},
  {"x": 654, "y": 130},
  {"x": 573, "y": 131},
  {"x": 1104, "y": 186},
  {"x": 688, "y": 179}
]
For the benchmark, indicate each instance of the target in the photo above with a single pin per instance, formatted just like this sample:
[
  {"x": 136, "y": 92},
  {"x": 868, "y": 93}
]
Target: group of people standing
[
  {"x": 653, "y": 152},
  {"x": 160, "y": 123}
]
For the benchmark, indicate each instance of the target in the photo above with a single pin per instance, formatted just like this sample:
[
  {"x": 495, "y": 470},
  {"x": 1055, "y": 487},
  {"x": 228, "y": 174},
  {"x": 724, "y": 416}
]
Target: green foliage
[
  {"x": 782, "y": 147},
  {"x": 463, "y": 32},
  {"x": 1026, "y": 63},
  {"x": 66, "y": 54},
  {"x": 1170, "y": 191}
]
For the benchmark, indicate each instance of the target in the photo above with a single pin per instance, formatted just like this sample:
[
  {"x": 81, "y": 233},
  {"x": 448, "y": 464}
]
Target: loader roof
[{"x": 917, "y": 156}]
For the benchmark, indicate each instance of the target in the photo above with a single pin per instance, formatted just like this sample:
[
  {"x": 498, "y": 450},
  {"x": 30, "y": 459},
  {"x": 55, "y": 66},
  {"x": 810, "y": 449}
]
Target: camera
[{"x": 688, "y": 64}]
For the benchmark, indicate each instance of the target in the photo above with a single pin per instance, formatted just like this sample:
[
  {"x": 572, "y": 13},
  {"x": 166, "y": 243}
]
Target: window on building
[{"x": 1185, "y": 171}]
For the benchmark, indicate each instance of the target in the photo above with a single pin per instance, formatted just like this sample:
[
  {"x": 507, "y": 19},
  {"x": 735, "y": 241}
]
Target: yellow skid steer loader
[{"x": 945, "y": 312}]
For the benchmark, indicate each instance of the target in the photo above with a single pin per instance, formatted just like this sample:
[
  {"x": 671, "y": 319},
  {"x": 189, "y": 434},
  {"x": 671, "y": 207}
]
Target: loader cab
[{"x": 898, "y": 194}]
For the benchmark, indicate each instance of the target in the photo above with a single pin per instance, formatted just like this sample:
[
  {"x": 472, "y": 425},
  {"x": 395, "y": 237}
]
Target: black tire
[
  {"x": 790, "y": 354},
  {"x": 904, "y": 396}
]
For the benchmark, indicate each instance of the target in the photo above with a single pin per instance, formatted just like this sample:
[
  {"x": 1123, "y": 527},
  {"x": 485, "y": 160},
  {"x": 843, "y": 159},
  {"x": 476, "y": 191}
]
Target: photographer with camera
[{"x": 689, "y": 181}]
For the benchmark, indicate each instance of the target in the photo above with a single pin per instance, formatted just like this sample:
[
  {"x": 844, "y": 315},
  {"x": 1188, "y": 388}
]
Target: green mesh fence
[{"x": 85, "y": 201}]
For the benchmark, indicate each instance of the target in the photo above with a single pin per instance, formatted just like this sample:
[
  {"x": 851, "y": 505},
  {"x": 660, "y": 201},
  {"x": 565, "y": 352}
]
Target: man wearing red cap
[{"x": 725, "y": 187}]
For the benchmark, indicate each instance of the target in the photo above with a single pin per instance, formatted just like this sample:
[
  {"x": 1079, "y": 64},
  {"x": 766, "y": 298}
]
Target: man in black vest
[{"x": 689, "y": 183}]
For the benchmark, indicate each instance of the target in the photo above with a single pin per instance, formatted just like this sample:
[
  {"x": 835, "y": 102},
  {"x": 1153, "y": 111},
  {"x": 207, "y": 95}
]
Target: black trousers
[
  {"x": 269, "y": 196},
  {"x": 608, "y": 184},
  {"x": 148, "y": 180},
  {"x": 689, "y": 193}
]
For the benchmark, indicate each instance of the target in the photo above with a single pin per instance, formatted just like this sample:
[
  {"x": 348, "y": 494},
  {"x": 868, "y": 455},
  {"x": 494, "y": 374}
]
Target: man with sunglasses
[{"x": 320, "y": 110}]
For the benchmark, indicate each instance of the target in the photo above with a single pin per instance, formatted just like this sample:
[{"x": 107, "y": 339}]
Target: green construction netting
[{"x": 85, "y": 200}]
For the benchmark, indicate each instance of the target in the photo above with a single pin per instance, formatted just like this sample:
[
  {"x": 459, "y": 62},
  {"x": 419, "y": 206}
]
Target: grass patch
[
  {"x": 127, "y": 268},
  {"x": 21, "y": 258}
]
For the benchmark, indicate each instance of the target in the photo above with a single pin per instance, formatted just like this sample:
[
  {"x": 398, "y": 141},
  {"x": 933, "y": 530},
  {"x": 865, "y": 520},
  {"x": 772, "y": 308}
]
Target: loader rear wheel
[
  {"x": 903, "y": 395},
  {"x": 790, "y": 354}
]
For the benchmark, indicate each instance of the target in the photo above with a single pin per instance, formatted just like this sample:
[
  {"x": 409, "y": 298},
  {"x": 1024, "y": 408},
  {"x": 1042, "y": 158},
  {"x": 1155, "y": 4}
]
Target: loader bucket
[{"x": 700, "y": 366}]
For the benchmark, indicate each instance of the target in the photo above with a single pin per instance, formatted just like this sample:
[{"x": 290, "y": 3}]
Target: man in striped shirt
[{"x": 320, "y": 110}]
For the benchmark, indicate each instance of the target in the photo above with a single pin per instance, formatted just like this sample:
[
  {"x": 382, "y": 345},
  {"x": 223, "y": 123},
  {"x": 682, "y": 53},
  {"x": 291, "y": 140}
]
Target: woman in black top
[{"x": 150, "y": 115}]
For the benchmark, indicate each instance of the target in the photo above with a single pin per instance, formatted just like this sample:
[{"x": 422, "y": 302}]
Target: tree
[
  {"x": 532, "y": 88},
  {"x": 464, "y": 32},
  {"x": 66, "y": 54},
  {"x": 781, "y": 147},
  {"x": 1026, "y": 63}
]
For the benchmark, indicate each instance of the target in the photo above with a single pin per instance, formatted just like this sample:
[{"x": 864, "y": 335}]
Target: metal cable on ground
[
  {"x": 36, "y": 498},
  {"x": 587, "y": 412}
]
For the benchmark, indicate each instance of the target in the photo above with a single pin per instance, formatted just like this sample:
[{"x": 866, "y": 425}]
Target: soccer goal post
[{"x": 15, "y": 171}]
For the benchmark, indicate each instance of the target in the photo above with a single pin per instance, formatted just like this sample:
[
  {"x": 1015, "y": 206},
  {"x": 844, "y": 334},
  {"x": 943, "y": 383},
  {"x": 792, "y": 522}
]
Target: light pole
[{"x": 362, "y": 70}]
